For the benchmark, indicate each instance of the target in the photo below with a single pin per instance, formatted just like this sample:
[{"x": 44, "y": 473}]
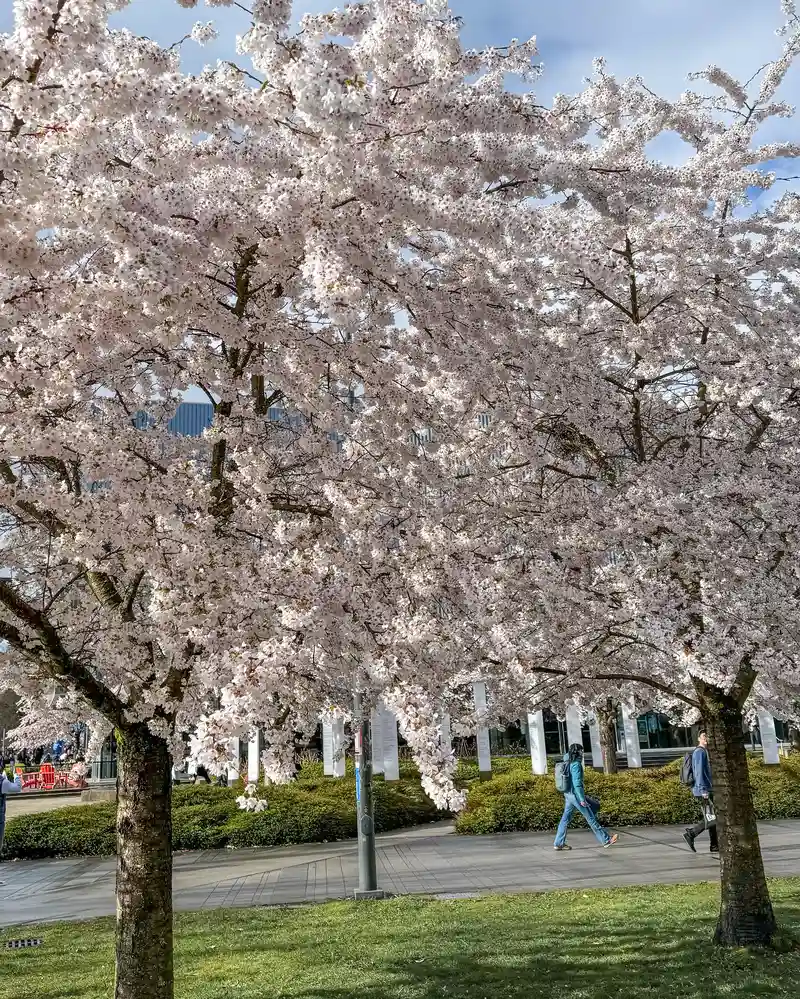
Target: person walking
[
  {"x": 201, "y": 773},
  {"x": 576, "y": 799},
  {"x": 703, "y": 791},
  {"x": 7, "y": 787}
]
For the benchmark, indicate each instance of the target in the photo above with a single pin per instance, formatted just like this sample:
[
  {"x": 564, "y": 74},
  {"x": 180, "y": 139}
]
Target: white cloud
[{"x": 661, "y": 40}]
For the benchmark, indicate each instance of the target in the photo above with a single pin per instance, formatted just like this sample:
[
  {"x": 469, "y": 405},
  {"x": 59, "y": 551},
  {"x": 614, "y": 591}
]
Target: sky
[{"x": 662, "y": 40}]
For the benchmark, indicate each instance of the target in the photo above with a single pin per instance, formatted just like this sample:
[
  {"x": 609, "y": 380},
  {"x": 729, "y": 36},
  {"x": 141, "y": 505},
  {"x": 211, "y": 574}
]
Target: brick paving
[{"x": 429, "y": 861}]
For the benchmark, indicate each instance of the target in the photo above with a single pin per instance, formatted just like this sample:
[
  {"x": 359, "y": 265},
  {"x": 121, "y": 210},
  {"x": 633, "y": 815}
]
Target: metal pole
[{"x": 367, "y": 867}]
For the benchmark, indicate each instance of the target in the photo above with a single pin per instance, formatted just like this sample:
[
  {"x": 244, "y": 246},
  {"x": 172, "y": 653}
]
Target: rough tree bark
[
  {"x": 606, "y": 715},
  {"x": 746, "y": 917},
  {"x": 144, "y": 866}
]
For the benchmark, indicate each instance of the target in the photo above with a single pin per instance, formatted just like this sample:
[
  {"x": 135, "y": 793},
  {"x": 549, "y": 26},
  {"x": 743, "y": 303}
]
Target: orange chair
[{"x": 47, "y": 776}]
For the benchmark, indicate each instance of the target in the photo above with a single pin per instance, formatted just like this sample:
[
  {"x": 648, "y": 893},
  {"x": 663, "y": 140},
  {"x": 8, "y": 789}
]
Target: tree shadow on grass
[
  {"x": 643, "y": 943},
  {"x": 499, "y": 948},
  {"x": 617, "y": 962}
]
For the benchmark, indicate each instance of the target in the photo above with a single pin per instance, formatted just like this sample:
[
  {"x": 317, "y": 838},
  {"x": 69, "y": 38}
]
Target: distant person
[
  {"x": 7, "y": 787},
  {"x": 202, "y": 774},
  {"x": 569, "y": 780},
  {"x": 702, "y": 789}
]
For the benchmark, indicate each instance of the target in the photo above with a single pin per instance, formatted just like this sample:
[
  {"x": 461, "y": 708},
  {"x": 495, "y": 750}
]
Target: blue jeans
[{"x": 571, "y": 804}]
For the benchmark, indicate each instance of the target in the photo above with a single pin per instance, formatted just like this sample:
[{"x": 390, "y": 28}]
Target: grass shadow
[{"x": 640, "y": 943}]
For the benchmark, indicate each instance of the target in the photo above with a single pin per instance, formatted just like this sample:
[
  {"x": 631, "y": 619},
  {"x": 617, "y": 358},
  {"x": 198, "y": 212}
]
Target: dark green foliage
[
  {"x": 79, "y": 831},
  {"x": 313, "y": 809},
  {"x": 317, "y": 809},
  {"x": 514, "y": 800}
]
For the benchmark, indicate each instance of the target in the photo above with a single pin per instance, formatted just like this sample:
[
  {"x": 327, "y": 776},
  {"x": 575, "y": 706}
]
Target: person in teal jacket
[{"x": 576, "y": 800}]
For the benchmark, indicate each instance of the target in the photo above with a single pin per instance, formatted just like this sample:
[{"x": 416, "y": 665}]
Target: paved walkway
[
  {"x": 429, "y": 861},
  {"x": 24, "y": 804}
]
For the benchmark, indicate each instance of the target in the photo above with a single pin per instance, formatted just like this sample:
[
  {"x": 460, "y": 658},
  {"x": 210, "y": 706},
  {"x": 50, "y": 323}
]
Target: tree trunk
[
  {"x": 144, "y": 866},
  {"x": 746, "y": 917},
  {"x": 606, "y": 717}
]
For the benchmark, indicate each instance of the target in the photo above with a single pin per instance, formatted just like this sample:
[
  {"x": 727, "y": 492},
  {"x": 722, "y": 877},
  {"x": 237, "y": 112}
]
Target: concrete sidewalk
[
  {"x": 31, "y": 804},
  {"x": 429, "y": 861}
]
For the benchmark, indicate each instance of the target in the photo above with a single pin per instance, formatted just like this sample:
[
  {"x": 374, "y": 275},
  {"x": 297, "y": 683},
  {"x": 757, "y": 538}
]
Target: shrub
[
  {"x": 202, "y": 826},
  {"x": 516, "y": 801},
  {"x": 312, "y": 809},
  {"x": 316, "y": 809},
  {"x": 287, "y": 821},
  {"x": 79, "y": 831}
]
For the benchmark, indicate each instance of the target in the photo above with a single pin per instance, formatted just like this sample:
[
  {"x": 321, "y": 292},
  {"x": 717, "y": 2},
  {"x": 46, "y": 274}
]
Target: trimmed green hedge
[
  {"x": 311, "y": 810},
  {"x": 318, "y": 809},
  {"x": 516, "y": 801}
]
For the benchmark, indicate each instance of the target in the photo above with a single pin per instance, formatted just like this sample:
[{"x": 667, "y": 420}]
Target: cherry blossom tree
[
  {"x": 336, "y": 243},
  {"x": 253, "y": 234},
  {"x": 647, "y": 437}
]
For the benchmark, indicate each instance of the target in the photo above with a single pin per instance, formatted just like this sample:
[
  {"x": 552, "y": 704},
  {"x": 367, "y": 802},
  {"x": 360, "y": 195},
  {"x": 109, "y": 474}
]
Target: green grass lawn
[{"x": 635, "y": 943}]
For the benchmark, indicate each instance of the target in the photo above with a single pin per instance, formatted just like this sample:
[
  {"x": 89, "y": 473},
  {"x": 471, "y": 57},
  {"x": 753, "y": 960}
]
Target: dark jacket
[{"x": 701, "y": 771}]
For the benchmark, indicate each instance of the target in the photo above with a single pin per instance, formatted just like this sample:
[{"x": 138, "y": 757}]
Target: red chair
[
  {"x": 47, "y": 776},
  {"x": 29, "y": 781}
]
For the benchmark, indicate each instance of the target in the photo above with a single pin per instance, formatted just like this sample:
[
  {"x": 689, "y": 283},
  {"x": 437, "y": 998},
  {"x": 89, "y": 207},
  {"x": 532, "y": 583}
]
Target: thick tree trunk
[
  {"x": 746, "y": 917},
  {"x": 144, "y": 866},
  {"x": 608, "y": 736}
]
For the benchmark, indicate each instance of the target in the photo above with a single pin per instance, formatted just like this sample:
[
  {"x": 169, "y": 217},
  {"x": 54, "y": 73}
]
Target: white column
[
  {"x": 597, "y": 749},
  {"x": 338, "y": 747},
  {"x": 445, "y": 734},
  {"x": 391, "y": 754},
  {"x": 327, "y": 748},
  {"x": 254, "y": 759},
  {"x": 769, "y": 738},
  {"x": 376, "y": 722},
  {"x": 484, "y": 748},
  {"x": 536, "y": 739},
  {"x": 632, "y": 748},
  {"x": 233, "y": 772},
  {"x": 574, "y": 733}
]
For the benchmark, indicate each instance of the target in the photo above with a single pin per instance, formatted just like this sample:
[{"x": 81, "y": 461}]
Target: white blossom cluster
[{"x": 495, "y": 394}]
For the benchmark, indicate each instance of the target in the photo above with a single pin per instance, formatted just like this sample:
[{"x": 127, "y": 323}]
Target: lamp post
[{"x": 367, "y": 866}]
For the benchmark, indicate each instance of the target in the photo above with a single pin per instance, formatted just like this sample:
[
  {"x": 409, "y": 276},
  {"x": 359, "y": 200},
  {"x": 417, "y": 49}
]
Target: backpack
[
  {"x": 563, "y": 777},
  {"x": 687, "y": 771}
]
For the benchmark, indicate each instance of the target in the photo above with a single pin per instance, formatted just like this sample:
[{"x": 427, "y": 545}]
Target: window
[
  {"x": 657, "y": 732},
  {"x": 555, "y": 734},
  {"x": 506, "y": 740}
]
